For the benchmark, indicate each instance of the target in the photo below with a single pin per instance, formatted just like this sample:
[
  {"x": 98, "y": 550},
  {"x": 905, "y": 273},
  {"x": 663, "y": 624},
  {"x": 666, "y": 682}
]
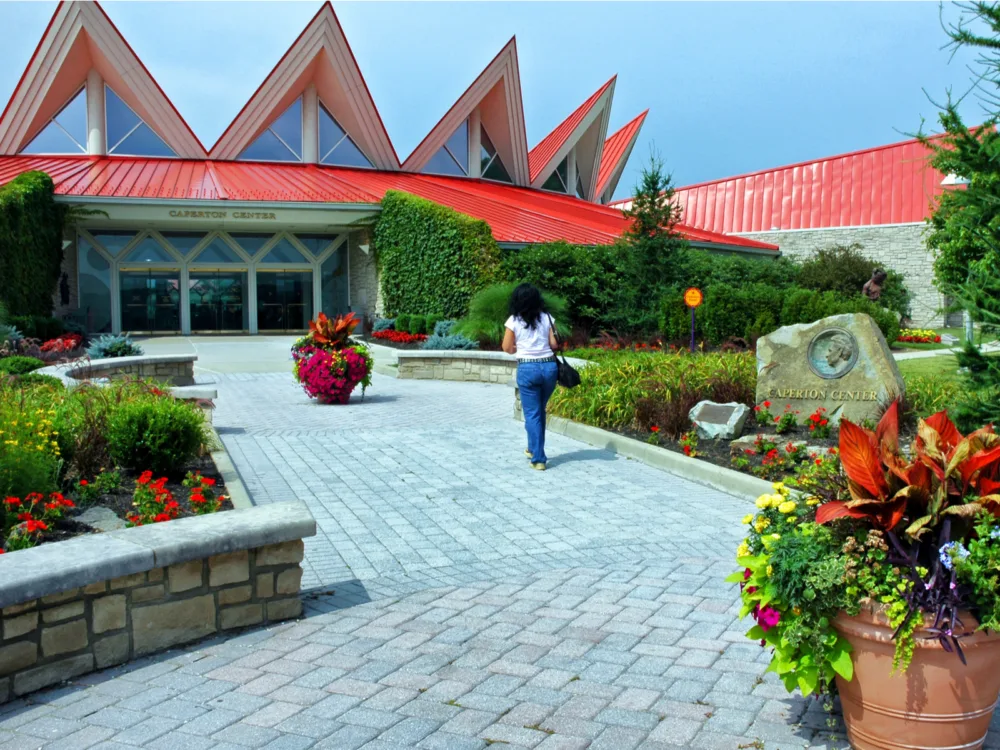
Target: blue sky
[{"x": 731, "y": 87}]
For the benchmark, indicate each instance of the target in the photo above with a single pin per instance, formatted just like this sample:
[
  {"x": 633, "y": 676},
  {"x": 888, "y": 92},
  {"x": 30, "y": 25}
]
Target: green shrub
[
  {"x": 431, "y": 322},
  {"x": 110, "y": 345},
  {"x": 449, "y": 342},
  {"x": 418, "y": 325},
  {"x": 403, "y": 322},
  {"x": 37, "y": 326},
  {"x": 20, "y": 365},
  {"x": 489, "y": 311},
  {"x": 383, "y": 324},
  {"x": 31, "y": 252},
  {"x": 29, "y": 454},
  {"x": 444, "y": 327},
  {"x": 929, "y": 394},
  {"x": 158, "y": 433},
  {"x": 735, "y": 311},
  {"x": 35, "y": 380},
  {"x": 763, "y": 324},
  {"x": 431, "y": 258},
  {"x": 845, "y": 269},
  {"x": 675, "y": 319}
]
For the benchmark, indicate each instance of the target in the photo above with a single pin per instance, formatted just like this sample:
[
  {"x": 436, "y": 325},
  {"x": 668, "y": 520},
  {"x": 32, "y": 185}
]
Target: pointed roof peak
[
  {"x": 617, "y": 149},
  {"x": 79, "y": 37},
  {"x": 540, "y": 158}
]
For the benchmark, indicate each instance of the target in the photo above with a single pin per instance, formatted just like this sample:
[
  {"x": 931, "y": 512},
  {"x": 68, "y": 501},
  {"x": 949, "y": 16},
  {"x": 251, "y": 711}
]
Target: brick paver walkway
[{"x": 457, "y": 599}]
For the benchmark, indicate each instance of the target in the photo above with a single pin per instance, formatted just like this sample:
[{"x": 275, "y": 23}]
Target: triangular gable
[
  {"x": 497, "y": 95},
  {"x": 321, "y": 56},
  {"x": 617, "y": 149},
  {"x": 585, "y": 128},
  {"x": 79, "y": 37}
]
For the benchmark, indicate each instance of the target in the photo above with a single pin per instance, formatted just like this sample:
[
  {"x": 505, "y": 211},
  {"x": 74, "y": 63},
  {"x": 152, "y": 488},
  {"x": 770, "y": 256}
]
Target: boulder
[{"x": 719, "y": 421}]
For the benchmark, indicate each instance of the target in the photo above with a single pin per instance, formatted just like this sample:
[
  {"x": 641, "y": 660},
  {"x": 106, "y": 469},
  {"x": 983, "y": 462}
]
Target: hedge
[
  {"x": 431, "y": 259},
  {"x": 31, "y": 251}
]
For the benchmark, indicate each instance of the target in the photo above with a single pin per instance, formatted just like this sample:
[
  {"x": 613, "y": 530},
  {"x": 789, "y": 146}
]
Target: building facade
[{"x": 272, "y": 224}]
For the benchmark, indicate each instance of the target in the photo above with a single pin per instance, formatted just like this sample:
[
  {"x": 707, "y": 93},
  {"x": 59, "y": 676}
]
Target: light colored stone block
[
  {"x": 19, "y": 625},
  {"x": 280, "y": 554},
  {"x": 63, "y": 612},
  {"x": 265, "y": 585},
  {"x": 147, "y": 594},
  {"x": 127, "y": 582},
  {"x": 111, "y": 650},
  {"x": 64, "y": 639},
  {"x": 96, "y": 588},
  {"x": 240, "y": 616},
  {"x": 17, "y": 656},
  {"x": 155, "y": 575},
  {"x": 16, "y": 609},
  {"x": 235, "y": 595},
  {"x": 185, "y": 576},
  {"x": 289, "y": 580},
  {"x": 60, "y": 597},
  {"x": 50, "y": 674},
  {"x": 108, "y": 613},
  {"x": 232, "y": 567},
  {"x": 284, "y": 609},
  {"x": 158, "y": 626}
]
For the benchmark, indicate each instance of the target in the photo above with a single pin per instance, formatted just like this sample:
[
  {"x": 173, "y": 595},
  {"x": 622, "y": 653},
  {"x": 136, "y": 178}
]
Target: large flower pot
[{"x": 937, "y": 703}]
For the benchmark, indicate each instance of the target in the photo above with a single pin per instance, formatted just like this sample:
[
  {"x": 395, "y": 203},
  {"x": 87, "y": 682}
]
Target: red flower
[
  {"x": 687, "y": 450},
  {"x": 819, "y": 461},
  {"x": 83, "y": 482},
  {"x": 767, "y": 404},
  {"x": 23, "y": 516},
  {"x": 34, "y": 526},
  {"x": 654, "y": 428},
  {"x": 144, "y": 477},
  {"x": 756, "y": 408},
  {"x": 161, "y": 517},
  {"x": 12, "y": 500},
  {"x": 208, "y": 482}
]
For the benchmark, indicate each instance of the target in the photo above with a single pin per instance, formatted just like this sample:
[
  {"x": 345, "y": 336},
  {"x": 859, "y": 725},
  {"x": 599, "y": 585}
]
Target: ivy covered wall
[
  {"x": 431, "y": 259},
  {"x": 31, "y": 251}
]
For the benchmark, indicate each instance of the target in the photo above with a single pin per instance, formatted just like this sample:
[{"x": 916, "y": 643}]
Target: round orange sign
[{"x": 693, "y": 297}]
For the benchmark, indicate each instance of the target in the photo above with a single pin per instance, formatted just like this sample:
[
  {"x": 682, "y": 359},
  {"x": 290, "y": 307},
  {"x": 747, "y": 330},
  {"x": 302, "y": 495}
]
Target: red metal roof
[
  {"x": 616, "y": 149},
  {"x": 515, "y": 214},
  {"x": 540, "y": 155},
  {"x": 892, "y": 184}
]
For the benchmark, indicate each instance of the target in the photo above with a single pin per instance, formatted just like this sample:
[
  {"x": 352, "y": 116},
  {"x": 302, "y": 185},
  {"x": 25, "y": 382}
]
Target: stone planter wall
[
  {"x": 174, "y": 369},
  {"x": 468, "y": 366},
  {"x": 96, "y": 601}
]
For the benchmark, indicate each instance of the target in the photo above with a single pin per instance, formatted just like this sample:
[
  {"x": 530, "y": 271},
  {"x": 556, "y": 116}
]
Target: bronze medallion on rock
[{"x": 833, "y": 353}]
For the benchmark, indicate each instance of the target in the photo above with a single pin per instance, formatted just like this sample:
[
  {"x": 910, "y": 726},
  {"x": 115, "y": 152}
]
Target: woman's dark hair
[{"x": 526, "y": 303}]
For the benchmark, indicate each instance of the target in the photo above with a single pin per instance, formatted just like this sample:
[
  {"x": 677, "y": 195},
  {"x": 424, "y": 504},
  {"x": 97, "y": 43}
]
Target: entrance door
[
  {"x": 151, "y": 300},
  {"x": 218, "y": 300},
  {"x": 284, "y": 300}
]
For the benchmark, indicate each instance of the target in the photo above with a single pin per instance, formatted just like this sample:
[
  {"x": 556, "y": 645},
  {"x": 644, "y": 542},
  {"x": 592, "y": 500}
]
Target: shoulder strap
[{"x": 552, "y": 325}]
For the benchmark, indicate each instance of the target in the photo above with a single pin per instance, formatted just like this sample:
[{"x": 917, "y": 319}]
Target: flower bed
[
  {"x": 328, "y": 364},
  {"x": 918, "y": 336},
  {"x": 399, "y": 337}
]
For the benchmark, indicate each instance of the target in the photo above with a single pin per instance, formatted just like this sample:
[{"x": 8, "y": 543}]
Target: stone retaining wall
[
  {"x": 142, "y": 590},
  {"x": 173, "y": 369},
  {"x": 434, "y": 365}
]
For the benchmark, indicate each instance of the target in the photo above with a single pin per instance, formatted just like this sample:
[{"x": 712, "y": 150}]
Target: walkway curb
[
  {"x": 235, "y": 488},
  {"x": 718, "y": 477}
]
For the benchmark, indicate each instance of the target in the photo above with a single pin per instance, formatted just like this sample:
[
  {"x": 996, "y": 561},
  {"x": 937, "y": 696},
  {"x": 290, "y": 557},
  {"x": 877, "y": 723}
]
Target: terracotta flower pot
[{"x": 937, "y": 703}]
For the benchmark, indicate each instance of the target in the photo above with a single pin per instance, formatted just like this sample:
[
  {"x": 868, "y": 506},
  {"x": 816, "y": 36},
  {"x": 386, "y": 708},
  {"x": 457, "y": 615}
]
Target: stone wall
[
  {"x": 899, "y": 247},
  {"x": 55, "y": 633},
  {"x": 175, "y": 369},
  {"x": 365, "y": 298},
  {"x": 472, "y": 367}
]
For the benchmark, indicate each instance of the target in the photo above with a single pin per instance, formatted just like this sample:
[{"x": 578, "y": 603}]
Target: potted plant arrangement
[
  {"x": 878, "y": 578},
  {"x": 328, "y": 363}
]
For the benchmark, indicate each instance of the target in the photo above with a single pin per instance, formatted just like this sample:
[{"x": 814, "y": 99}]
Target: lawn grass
[{"x": 945, "y": 366}]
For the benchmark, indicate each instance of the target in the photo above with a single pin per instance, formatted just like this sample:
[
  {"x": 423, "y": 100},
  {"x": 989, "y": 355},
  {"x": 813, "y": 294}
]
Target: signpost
[{"x": 693, "y": 298}]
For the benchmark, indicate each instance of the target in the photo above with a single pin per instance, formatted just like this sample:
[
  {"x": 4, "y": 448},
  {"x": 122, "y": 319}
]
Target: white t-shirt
[{"x": 532, "y": 343}]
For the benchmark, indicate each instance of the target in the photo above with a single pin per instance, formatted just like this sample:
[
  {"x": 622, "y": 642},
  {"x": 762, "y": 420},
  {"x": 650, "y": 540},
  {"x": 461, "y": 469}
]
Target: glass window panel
[
  {"x": 316, "y": 243},
  {"x": 443, "y": 163},
  {"x": 333, "y": 279},
  {"x": 497, "y": 171},
  {"x": 217, "y": 251},
  {"x": 149, "y": 251},
  {"x": 120, "y": 118},
  {"x": 143, "y": 142},
  {"x": 95, "y": 288},
  {"x": 284, "y": 252},
  {"x": 580, "y": 192},
  {"x": 53, "y": 140},
  {"x": 563, "y": 170},
  {"x": 250, "y": 241},
  {"x": 284, "y": 300},
  {"x": 347, "y": 154},
  {"x": 458, "y": 145},
  {"x": 218, "y": 301},
  {"x": 268, "y": 147},
  {"x": 113, "y": 241},
  {"x": 288, "y": 127},
  {"x": 330, "y": 131},
  {"x": 554, "y": 183},
  {"x": 150, "y": 300},
  {"x": 486, "y": 148},
  {"x": 184, "y": 242},
  {"x": 73, "y": 117}
]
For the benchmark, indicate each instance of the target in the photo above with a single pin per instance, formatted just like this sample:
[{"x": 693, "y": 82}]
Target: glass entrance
[
  {"x": 151, "y": 300},
  {"x": 218, "y": 301},
  {"x": 284, "y": 300}
]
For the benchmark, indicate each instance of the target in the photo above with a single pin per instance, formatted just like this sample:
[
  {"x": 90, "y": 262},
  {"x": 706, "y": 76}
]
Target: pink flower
[{"x": 768, "y": 617}]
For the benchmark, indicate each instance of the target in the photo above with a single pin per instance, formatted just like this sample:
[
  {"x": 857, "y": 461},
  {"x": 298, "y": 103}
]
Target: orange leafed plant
[
  {"x": 947, "y": 474},
  {"x": 332, "y": 333}
]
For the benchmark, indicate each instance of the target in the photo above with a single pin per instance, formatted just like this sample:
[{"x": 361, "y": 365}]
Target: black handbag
[{"x": 566, "y": 374}]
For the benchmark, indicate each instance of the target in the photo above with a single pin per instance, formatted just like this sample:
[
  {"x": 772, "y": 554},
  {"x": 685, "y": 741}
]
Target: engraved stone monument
[
  {"x": 841, "y": 363},
  {"x": 719, "y": 421}
]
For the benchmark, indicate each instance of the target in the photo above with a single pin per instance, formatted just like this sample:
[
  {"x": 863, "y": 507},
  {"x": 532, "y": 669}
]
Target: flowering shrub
[
  {"x": 65, "y": 343},
  {"x": 919, "y": 336},
  {"x": 913, "y": 534},
  {"x": 88, "y": 492},
  {"x": 202, "y": 498},
  {"x": 689, "y": 443},
  {"x": 328, "y": 364},
  {"x": 762, "y": 413},
  {"x": 786, "y": 421},
  {"x": 152, "y": 501},
  {"x": 400, "y": 337},
  {"x": 24, "y": 521},
  {"x": 30, "y": 455},
  {"x": 819, "y": 425}
]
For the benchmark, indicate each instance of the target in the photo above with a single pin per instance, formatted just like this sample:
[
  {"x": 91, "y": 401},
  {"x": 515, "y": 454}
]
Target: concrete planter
[{"x": 95, "y": 601}]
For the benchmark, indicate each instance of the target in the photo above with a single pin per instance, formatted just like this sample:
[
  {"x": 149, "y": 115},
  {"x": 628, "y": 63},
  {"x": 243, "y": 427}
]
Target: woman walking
[{"x": 531, "y": 337}]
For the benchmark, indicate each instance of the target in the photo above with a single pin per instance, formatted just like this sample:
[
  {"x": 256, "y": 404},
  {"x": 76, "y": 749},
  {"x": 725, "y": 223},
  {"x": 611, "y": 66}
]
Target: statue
[{"x": 873, "y": 287}]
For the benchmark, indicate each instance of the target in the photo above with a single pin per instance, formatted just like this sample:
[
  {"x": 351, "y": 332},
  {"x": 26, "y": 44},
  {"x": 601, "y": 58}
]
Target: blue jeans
[{"x": 536, "y": 381}]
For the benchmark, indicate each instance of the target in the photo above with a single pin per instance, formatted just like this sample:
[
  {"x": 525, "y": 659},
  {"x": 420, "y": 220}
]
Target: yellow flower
[
  {"x": 779, "y": 487},
  {"x": 761, "y": 523},
  {"x": 787, "y": 507},
  {"x": 764, "y": 501},
  {"x": 770, "y": 570},
  {"x": 748, "y": 518},
  {"x": 813, "y": 501},
  {"x": 743, "y": 550}
]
